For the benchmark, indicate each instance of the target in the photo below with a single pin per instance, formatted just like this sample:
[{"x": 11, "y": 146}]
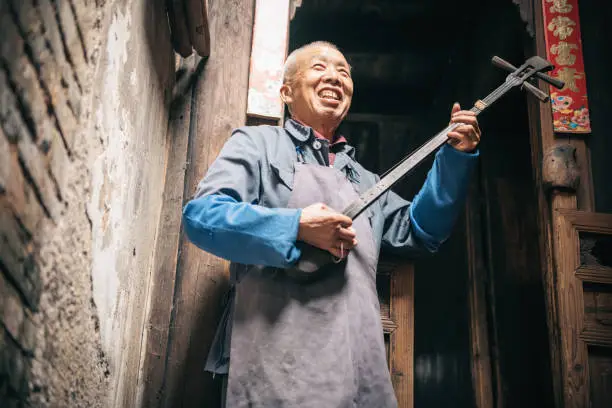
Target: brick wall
[
  {"x": 58, "y": 117},
  {"x": 44, "y": 68}
]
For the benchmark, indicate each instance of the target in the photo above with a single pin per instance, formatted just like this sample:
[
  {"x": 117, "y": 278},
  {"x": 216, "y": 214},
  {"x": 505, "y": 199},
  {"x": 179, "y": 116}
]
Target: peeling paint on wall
[
  {"x": 130, "y": 120},
  {"x": 109, "y": 173}
]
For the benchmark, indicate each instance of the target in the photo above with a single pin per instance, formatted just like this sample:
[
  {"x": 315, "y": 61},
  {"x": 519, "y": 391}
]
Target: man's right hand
[{"x": 322, "y": 227}]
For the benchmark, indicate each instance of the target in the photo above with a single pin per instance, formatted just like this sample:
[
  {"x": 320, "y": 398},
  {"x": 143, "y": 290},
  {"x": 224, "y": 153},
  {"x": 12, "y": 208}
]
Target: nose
[{"x": 331, "y": 76}]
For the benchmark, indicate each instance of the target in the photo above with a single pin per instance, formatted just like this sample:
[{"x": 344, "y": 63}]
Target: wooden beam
[
  {"x": 202, "y": 279},
  {"x": 178, "y": 27},
  {"x": 198, "y": 26},
  {"x": 163, "y": 276}
]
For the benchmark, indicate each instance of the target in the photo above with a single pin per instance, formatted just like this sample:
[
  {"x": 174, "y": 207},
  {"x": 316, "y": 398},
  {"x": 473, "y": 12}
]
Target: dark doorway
[{"x": 411, "y": 60}]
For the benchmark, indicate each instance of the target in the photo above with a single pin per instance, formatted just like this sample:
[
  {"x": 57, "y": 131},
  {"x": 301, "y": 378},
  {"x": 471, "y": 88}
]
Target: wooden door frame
[
  {"x": 553, "y": 247},
  {"x": 552, "y": 243}
]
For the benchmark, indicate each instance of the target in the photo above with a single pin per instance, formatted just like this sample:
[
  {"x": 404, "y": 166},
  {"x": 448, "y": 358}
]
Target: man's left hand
[{"x": 466, "y": 136}]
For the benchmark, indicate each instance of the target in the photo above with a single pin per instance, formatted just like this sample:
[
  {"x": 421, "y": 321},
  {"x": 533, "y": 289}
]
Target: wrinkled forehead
[{"x": 322, "y": 53}]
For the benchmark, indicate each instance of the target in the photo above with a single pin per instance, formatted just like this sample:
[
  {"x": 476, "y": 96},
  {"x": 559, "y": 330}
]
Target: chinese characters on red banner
[{"x": 564, "y": 50}]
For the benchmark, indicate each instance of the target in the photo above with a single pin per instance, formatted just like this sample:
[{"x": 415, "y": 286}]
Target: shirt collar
[
  {"x": 303, "y": 133},
  {"x": 298, "y": 131}
]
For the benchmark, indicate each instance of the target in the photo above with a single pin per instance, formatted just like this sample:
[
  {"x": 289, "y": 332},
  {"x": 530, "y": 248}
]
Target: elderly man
[{"x": 273, "y": 190}]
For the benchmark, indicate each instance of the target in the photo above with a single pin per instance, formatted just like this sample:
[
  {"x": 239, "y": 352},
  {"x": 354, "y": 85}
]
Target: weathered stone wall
[{"x": 83, "y": 114}]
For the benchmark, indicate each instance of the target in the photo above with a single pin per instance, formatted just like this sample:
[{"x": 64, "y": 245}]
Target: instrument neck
[{"x": 410, "y": 162}]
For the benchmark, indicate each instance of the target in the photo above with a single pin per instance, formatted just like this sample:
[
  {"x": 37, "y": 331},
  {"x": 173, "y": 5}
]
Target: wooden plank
[
  {"x": 197, "y": 13},
  {"x": 178, "y": 28},
  {"x": 166, "y": 254},
  {"x": 389, "y": 326},
  {"x": 599, "y": 223},
  {"x": 401, "y": 362},
  {"x": 597, "y": 336},
  {"x": 596, "y": 274},
  {"x": 201, "y": 280},
  {"x": 477, "y": 290}
]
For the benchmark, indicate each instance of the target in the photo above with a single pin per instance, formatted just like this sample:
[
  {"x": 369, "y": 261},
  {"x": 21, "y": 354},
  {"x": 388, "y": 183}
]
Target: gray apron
[{"x": 317, "y": 344}]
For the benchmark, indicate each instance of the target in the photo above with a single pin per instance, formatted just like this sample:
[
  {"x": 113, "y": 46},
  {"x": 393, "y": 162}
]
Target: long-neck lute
[{"x": 313, "y": 259}]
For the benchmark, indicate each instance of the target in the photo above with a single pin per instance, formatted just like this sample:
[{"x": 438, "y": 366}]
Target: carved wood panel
[{"x": 584, "y": 288}]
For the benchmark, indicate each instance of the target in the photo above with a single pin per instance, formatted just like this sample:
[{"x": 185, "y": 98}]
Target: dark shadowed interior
[{"x": 411, "y": 61}]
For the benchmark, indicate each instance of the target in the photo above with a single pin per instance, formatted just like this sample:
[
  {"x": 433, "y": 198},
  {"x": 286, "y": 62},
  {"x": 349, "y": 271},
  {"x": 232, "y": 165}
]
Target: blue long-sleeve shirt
[{"x": 238, "y": 211}]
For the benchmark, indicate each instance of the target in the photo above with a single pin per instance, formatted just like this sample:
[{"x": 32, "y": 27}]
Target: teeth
[{"x": 329, "y": 94}]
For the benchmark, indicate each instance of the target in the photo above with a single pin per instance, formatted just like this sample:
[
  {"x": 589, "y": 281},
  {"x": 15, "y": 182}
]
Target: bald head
[{"x": 292, "y": 63}]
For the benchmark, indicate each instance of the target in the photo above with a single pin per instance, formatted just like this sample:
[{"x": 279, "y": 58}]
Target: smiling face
[{"x": 320, "y": 90}]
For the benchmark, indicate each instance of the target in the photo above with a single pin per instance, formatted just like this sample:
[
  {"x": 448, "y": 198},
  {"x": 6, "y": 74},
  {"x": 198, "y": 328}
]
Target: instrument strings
[{"x": 405, "y": 165}]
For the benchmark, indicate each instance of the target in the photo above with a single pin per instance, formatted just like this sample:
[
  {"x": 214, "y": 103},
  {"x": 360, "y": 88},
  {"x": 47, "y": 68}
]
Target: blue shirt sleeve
[
  {"x": 224, "y": 217},
  {"x": 436, "y": 207},
  {"x": 243, "y": 232}
]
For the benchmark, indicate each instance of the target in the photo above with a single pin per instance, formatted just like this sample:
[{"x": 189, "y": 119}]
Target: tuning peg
[
  {"x": 542, "y": 96},
  {"x": 498, "y": 62}
]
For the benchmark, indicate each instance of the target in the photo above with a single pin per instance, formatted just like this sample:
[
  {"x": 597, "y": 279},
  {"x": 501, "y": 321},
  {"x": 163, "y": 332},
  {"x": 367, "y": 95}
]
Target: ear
[{"x": 286, "y": 94}]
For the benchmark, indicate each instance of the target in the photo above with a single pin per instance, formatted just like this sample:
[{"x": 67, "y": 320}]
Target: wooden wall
[{"x": 181, "y": 331}]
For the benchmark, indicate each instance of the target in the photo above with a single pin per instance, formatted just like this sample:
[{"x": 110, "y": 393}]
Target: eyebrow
[{"x": 327, "y": 59}]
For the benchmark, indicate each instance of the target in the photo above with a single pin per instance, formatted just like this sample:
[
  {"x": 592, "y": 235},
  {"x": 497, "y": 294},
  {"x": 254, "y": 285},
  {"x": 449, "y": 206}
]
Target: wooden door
[{"x": 584, "y": 290}]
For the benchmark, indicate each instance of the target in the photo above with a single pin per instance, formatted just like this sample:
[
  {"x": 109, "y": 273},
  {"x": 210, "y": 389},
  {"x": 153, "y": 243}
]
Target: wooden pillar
[
  {"x": 401, "y": 361},
  {"x": 570, "y": 383},
  {"x": 163, "y": 278},
  {"x": 188, "y": 283},
  {"x": 482, "y": 378},
  {"x": 219, "y": 106}
]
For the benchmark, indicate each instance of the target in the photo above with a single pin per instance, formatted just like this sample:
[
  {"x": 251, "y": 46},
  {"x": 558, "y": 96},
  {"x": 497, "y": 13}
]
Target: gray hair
[{"x": 291, "y": 66}]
